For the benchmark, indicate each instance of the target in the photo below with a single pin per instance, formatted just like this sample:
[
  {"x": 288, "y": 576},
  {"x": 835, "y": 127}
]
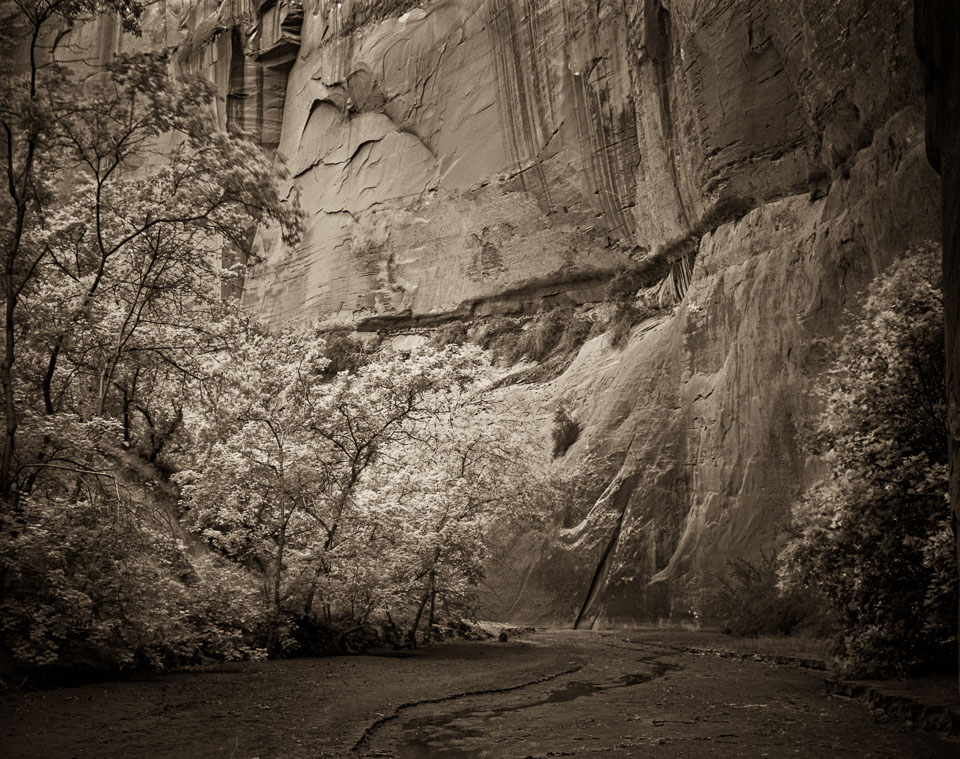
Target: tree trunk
[
  {"x": 433, "y": 604},
  {"x": 416, "y": 620},
  {"x": 18, "y": 194},
  {"x": 276, "y": 599},
  {"x": 9, "y": 400},
  {"x": 312, "y": 593}
]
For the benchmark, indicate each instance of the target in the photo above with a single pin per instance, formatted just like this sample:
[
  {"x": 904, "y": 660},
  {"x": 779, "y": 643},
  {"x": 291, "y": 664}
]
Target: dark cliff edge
[{"x": 937, "y": 38}]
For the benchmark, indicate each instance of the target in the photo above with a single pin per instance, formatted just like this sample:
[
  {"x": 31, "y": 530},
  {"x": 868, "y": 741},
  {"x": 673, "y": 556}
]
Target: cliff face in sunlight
[
  {"x": 458, "y": 158},
  {"x": 451, "y": 155}
]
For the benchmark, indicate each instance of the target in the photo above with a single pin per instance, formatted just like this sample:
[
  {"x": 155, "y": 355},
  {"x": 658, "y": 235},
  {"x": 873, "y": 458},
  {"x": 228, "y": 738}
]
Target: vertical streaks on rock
[
  {"x": 448, "y": 121},
  {"x": 621, "y": 498},
  {"x": 526, "y": 111},
  {"x": 704, "y": 406},
  {"x": 464, "y": 155}
]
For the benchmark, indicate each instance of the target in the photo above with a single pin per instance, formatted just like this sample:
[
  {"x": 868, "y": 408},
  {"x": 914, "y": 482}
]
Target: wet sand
[{"x": 557, "y": 693}]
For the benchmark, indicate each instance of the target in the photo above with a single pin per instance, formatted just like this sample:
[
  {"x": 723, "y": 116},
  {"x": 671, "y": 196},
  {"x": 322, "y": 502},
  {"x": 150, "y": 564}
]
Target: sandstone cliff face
[
  {"x": 464, "y": 157},
  {"x": 449, "y": 154},
  {"x": 697, "y": 419}
]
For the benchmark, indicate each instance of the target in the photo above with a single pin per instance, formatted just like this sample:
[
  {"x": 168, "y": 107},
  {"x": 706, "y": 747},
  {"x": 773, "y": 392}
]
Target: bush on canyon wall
[
  {"x": 630, "y": 307},
  {"x": 452, "y": 333},
  {"x": 566, "y": 431},
  {"x": 875, "y": 538},
  {"x": 559, "y": 329},
  {"x": 499, "y": 335}
]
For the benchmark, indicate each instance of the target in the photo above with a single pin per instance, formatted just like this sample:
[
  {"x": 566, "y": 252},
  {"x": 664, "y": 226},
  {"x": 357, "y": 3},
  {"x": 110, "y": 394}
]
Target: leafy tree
[
  {"x": 120, "y": 194},
  {"x": 440, "y": 496},
  {"x": 749, "y": 602},
  {"x": 874, "y": 537},
  {"x": 324, "y": 493},
  {"x": 285, "y": 449}
]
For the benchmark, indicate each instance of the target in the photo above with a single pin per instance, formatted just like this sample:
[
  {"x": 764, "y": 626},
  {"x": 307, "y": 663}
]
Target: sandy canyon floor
[{"x": 547, "y": 694}]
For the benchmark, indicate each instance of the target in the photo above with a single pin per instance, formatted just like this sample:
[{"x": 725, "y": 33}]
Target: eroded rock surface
[
  {"x": 450, "y": 152},
  {"x": 464, "y": 157},
  {"x": 697, "y": 419}
]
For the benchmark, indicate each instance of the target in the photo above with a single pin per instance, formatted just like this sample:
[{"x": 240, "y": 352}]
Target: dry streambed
[{"x": 548, "y": 694}]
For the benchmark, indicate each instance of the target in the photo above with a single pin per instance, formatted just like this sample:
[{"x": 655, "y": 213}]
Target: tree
[
  {"x": 433, "y": 504},
  {"x": 284, "y": 449},
  {"x": 875, "y": 536},
  {"x": 120, "y": 196}
]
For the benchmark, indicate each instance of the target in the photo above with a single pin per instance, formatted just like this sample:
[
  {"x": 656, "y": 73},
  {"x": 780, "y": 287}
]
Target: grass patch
[
  {"x": 626, "y": 315},
  {"x": 625, "y": 285},
  {"x": 452, "y": 333},
  {"x": 559, "y": 329},
  {"x": 499, "y": 336},
  {"x": 624, "y": 318},
  {"x": 723, "y": 212}
]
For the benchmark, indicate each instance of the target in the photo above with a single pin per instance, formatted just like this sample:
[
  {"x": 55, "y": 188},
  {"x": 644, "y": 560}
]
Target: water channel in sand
[{"x": 550, "y": 693}]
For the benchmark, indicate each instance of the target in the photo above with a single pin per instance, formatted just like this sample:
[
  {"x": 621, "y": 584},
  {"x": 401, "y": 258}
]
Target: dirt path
[{"x": 549, "y": 694}]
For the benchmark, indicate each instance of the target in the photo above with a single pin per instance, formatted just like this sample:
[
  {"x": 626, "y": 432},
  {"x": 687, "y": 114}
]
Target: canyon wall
[
  {"x": 937, "y": 37},
  {"x": 461, "y": 158}
]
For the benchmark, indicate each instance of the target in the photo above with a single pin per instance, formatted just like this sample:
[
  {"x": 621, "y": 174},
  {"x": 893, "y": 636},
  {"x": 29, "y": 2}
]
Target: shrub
[
  {"x": 723, "y": 212},
  {"x": 556, "y": 330},
  {"x": 453, "y": 333},
  {"x": 92, "y": 586},
  {"x": 575, "y": 334},
  {"x": 553, "y": 331},
  {"x": 566, "y": 430},
  {"x": 499, "y": 336},
  {"x": 748, "y": 602},
  {"x": 345, "y": 352},
  {"x": 624, "y": 285},
  {"x": 629, "y": 308},
  {"x": 624, "y": 317},
  {"x": 543, "y": 334},
  {"x": 874, "y": 537}
]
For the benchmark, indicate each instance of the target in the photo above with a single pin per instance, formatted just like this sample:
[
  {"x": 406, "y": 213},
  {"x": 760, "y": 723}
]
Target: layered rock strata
[
  {"x": 697, "y": 422},
  {"x": 454, "y": 154},
  {"x": 457, "y": 158}
]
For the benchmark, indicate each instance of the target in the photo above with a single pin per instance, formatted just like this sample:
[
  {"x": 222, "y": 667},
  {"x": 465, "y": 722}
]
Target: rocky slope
[{"x": 460, "y": 158}]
